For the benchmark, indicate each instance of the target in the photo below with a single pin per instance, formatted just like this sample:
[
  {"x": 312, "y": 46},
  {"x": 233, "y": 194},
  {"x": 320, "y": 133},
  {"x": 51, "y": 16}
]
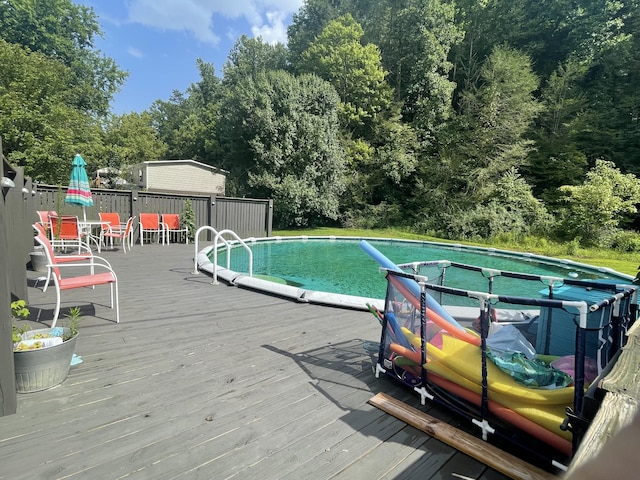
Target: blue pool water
[{"x": 341, "y": 266}]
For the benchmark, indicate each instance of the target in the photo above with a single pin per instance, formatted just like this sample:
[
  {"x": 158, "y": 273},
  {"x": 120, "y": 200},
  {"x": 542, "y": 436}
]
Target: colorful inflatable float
[{"x": 423, "y": 346}]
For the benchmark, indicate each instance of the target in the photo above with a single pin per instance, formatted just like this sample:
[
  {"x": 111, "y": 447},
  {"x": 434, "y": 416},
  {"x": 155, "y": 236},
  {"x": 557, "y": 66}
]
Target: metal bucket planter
[
  {"x": 43, "y": 368},
  {"x": 38, "y": 260}
]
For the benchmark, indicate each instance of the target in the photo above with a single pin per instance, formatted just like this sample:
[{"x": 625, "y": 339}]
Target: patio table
[{"x": 88, "y": 226}]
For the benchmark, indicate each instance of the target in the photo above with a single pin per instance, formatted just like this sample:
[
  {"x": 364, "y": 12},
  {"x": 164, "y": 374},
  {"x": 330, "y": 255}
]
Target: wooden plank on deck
[{"x": 482, "y": 451}]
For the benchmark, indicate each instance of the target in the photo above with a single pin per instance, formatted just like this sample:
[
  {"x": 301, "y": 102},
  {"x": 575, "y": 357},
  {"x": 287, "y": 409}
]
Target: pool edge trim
[{"x": 351, "y": 301}]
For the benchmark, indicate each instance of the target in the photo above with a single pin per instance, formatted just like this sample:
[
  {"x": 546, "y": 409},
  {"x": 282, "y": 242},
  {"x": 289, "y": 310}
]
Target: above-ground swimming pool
[{"x": 337, "y": 266}]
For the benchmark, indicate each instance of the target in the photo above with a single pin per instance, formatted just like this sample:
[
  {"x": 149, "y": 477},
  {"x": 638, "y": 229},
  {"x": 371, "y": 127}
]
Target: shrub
[{"x": 626, "y": 242}]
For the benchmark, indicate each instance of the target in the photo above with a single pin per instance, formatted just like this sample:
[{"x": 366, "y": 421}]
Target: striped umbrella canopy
[{"x": 79, "y": 191}]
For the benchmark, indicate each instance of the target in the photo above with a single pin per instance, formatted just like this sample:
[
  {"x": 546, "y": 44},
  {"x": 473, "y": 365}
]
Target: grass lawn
[{"x": 626, "y": 263}]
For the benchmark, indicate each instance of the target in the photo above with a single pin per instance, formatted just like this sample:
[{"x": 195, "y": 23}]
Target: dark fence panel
[
  {"x": 19, "y": 232},
  {"x": 13, "y": 276},
  {"x": 242, "y": 216},
  {"x": 247, "y": 217},
  {"x": 52, "y": 198}
]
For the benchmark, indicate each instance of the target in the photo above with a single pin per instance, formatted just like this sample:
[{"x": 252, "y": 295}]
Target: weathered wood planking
[
  {"x": 203, "y": 381},
  {"x": 482, "y": 451}
]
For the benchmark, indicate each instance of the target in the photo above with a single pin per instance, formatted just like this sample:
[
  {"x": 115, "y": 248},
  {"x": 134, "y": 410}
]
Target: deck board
[{"x": 214, "y": 381}]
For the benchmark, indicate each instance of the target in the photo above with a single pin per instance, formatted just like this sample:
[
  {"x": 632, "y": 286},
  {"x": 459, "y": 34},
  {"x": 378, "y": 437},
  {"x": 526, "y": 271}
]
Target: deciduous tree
[
  {"x": 40, "y": 130},
  {"x": 130, "y": 139},
  {"x": 65, "y": 32},
  {"x": 282, "y": 142},
  {"x": 354, "y": 70}
]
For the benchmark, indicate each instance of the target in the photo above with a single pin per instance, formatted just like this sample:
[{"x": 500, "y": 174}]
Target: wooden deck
[{"x": 215, "y": 382}]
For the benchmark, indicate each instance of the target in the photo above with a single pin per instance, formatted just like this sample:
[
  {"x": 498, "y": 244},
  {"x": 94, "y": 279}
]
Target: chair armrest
[
  {"x": 92, "y": 265},
  {"x": 70, "y": 258},
  {"x": 102, "y": 262}
]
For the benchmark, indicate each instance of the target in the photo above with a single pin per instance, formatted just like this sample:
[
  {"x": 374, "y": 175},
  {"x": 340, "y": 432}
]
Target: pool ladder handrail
[{"x": 219, "y": 240}]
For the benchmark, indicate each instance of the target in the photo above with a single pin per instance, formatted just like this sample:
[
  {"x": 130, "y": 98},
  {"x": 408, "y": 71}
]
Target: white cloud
[
  {"x": 265, "y": 17},
  {"x": 175, "y": 15},
  {"x": 273, "y": 32},
  {"x": 134, "y": 52}
]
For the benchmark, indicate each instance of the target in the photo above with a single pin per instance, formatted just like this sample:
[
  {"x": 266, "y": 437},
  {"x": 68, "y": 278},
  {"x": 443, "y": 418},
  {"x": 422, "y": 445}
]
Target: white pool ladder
[{"x": 218, "y": 241}]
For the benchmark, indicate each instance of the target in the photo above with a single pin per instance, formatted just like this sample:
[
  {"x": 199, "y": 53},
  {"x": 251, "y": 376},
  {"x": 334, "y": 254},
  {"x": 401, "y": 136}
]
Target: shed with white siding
[{"x": 180, "y": 176}]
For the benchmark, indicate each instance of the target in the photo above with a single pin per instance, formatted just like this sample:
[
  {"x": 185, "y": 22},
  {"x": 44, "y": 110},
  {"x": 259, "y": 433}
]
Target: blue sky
[{"x": 158, "y": 41}]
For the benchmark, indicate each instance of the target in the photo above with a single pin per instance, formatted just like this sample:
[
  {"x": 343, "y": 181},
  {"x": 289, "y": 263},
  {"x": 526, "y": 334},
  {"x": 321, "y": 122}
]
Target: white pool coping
[{"x": 287, "y": 291}]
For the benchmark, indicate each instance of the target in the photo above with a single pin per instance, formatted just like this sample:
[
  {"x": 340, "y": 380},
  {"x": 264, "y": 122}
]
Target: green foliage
[
  {"x": 428, "y": 107},
  {"x": 511, "y": 210},
  {"x": 483, "y": 221},
  {"x": 54, "y": 89},
  {"x": 252, "y": 56},
  {"x": 418, "y": 59},
  {"x": 415, "y": 38},
  {"x": 72, "y": 322},
  {"x": 610, "y": 86},
  {"x": 188, "y": 219},
  {"x": 188, "y": 124},
  {"x": 283, "y": 143},
  {"x": 40, "y": 130},
  {"x": 573, "y": 247},
  {"x": 501, "y": 107},
  {"x": 18, "y": 310},
  {"x": 626, "y": 242},
  {"x": 382, "y": 151},
  {"x": 372, "y": 216},
  {"x": 354, "y": 70},
  {"x": 380, "y": 173},
  {"x": 551, "y": 32},
  {"x": 18, "y": 330},
  {"x": 461, "y": 191},
  {"x": 64, "y": 32},
  {"x": 558, "y": 160},
  {"x": 131, "y": 139},
  {"x": 309, "y": 21},
  {"x": 595, "y": 209}
]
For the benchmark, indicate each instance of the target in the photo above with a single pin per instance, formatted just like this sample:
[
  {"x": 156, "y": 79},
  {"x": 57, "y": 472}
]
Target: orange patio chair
[
  {"x": 150, "y": 223},
  {"x": 172, "y": 225},
  {"x": 65, "y": 230},
  {"x": 111, "y": 226},
  {"x": 108, "y": 277},
  {"x": 124, "y": 236},
  {"x": 43, "y": 215},
  {"x": 85, "y": 255}
]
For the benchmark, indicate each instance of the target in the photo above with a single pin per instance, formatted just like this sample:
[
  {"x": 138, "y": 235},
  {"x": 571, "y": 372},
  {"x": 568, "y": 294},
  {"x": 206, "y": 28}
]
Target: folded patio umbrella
[{"x": 79, "y": 191}]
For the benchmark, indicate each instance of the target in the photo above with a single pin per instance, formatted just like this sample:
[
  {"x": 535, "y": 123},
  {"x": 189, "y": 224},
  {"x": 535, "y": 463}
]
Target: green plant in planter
[
  {"x": 74, "y": 316},
  {"x": 18, "y": 310},
  {"x": 42, "y": 358}
]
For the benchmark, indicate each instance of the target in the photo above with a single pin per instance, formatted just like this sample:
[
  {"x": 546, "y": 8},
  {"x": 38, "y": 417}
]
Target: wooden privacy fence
[{"x": 248, "y": 217}]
